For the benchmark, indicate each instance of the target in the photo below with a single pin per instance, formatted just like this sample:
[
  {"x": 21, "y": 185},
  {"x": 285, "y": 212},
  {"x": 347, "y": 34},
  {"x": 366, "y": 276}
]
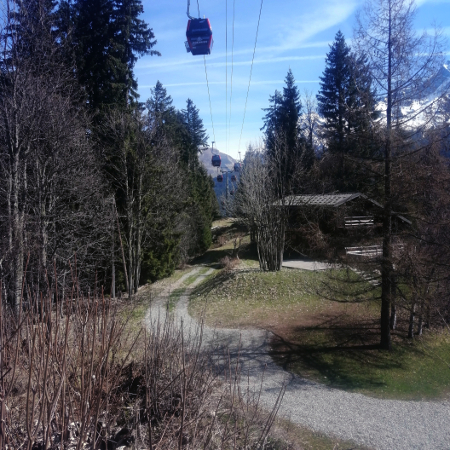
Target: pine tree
[
  {"x": 33, "y": 34},
  {"x": 108, "y": 37},
  {"x": 184, "y": 131},
  {"x": 196, "y": 133},
  {"x": 200, "y": 187},
  {"x": 159, "y": 105},
  {"x": 290, "y": 112},
  {"x": 283, "y": 135},
  {"x": 346, "y": 102},
  {"x": 334, "y": 92},
  {"x": 133, "y": 38}
]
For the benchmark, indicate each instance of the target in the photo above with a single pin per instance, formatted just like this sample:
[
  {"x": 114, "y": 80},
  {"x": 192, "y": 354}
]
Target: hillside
[
  {"x": 227, "y": 164},
  {"x": 205, "y": 158}
]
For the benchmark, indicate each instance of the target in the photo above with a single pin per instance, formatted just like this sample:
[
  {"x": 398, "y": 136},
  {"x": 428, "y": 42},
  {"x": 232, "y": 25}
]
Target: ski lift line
[
  {"x": 226, "y": 73},
  {"x": 232, "y": 66},
  {"x": 209, "y": 96},
  {"x": 251, "y": 71}
]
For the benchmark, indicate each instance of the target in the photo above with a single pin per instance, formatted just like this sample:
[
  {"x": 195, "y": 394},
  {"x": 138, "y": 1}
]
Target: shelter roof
[{"x": 331, "y": 201}]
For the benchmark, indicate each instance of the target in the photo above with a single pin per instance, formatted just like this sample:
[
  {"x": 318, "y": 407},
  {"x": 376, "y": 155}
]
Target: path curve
[{"x": 376, "y": 423}]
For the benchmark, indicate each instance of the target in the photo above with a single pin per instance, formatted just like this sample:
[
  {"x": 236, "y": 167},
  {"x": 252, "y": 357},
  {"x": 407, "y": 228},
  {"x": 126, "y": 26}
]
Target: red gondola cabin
[
  {"x": 215, "y": 160},
  {"x": 199, "y": 36}
]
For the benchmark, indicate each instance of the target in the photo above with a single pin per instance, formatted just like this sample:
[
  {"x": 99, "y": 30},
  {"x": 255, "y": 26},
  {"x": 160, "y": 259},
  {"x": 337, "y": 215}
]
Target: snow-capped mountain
[{"x": 426, "y": 107}]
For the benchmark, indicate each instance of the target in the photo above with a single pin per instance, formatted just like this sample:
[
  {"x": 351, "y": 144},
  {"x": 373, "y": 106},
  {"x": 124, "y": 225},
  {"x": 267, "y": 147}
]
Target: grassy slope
[{"x": 325, "y": 336}]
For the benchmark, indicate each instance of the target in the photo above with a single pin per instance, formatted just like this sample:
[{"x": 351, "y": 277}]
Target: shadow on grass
[
  {"x": 216, "y": 281},
  {"x": 214, "y": 255},
  {"x": 342, "y": 353}
]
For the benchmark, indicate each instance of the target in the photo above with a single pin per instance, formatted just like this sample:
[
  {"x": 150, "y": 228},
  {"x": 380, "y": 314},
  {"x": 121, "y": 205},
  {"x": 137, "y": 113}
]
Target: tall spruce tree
[
  {"x": 203, "y": 200},
  {"x": 284, "y": 139},
  {"x": 346, "y": 102},
  {"x": 197, "y": 134},
  {"x": 334, "y": 93},
  {"x": 108, "y": 38}
]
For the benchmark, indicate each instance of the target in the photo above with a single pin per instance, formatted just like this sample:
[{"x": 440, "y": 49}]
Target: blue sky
[{"x": 292, "y": 34}]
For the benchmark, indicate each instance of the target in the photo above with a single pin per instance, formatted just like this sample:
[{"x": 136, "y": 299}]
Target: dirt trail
[{"x": 376, "y": 423}]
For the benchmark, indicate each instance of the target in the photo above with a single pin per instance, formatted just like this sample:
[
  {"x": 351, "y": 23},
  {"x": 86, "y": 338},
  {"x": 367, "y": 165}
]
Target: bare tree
[
  {"x": 403, "y": 66},
  {"x": 309, "y": 122},
  {"x": 258, "y": 206},
  {"x": 51, "y": 203}
]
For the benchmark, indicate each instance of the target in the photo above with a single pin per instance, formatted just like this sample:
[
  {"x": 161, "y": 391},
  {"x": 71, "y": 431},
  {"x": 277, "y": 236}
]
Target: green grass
[
  {"x": 248, "y": 297},
  {"x": 286, "y": 435},
  {"x": 325, "y": 332},
  {"x": 189, "y": 280},
  {"x": 223, "y": 223},
  {"x": 413, "y": 370}
]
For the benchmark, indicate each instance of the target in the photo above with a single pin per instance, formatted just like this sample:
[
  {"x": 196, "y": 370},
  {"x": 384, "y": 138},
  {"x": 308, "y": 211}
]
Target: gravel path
[{"x": 376, "y": 423}]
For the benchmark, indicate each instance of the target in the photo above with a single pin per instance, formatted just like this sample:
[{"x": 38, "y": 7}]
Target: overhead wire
[
  {"x": 226, "y": 74},
  {"x": 209, "y": 96},
  {"x": 251, "y": 71},
  {"x": 232, "y": 69},
  {"x": 207, "y": 84}
]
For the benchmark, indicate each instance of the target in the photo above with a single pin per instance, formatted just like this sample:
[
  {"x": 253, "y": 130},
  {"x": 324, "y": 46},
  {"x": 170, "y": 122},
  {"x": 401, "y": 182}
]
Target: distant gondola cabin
[
  {"x": 233, "y": 178},
  {"x": 220, "y": 178},
  {"x": 199, "y": 36},
  {"x": 216, "y": 161}
]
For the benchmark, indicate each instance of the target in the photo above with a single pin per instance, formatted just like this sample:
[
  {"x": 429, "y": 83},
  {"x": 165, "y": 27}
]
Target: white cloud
[{"x": 296, "y": 31}]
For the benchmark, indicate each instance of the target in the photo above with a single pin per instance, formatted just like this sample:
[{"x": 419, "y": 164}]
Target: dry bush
[
  {"x": 228, "y": 263},
  {"x": 190, "y": 402},
  {"x": 60, "y": 366},
  {"x": 70, "y": 379}
]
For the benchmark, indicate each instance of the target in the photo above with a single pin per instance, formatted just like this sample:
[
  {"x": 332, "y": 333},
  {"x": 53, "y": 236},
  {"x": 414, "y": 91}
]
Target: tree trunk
[
  {"x": 386, "y": 265},
  {"x": 18, "y": 236},
  {"x": 393, "y": 320},
  {"x": 420, "y": 321},
  {"x": 113, "y": 267},
  {"x": 412, "y": 315}
]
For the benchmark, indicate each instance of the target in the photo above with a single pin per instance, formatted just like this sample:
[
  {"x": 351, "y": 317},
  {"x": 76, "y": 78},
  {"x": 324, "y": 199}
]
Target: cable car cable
[
  {"x": 251, "y": 71},
  {"x": 232, "y": 67},
  {"x": 206, "y": 74},
  {"x": 209, "y": 95},
  {"x": 226, "y": 74}
]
